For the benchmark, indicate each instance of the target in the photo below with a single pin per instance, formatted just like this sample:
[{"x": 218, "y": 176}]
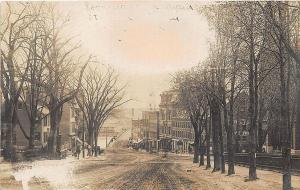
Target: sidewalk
[
  {"x": 42, "y": 173},
  {"x": 268, "y": 180}
]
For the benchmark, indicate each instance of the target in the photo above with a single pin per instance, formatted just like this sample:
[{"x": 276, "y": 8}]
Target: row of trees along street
[
  {"x": 256, "y": 55},
  {"x": 44, "y": 68}
]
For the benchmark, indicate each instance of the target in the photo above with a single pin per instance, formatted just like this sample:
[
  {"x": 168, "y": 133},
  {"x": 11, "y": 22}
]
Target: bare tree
[
  {"x": 100, "y": 94},
  {"x": 193, "y": 99},
  {"x": 282, "y": 31},
  {"x": 61, "y": 70},
  {"x": 32, "y": 93},
  {"x": 14, "y": 30}
]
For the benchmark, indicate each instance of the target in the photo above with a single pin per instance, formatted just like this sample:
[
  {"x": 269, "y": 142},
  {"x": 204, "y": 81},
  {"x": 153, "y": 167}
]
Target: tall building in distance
[
  {"x": 167, "y": 128},
  {"x": 176, "y": 131}
]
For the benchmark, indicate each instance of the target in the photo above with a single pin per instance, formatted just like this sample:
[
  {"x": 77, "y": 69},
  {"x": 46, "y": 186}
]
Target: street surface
[
  {"x": 118, "y": 169},
  {"x": 123, "y": 169}
]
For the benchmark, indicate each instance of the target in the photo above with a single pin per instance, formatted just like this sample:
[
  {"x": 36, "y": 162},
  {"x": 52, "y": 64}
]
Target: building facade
[
  {"x": 176, "y": 131},
  {"x": 67, "y": 129},
  {"x": 166, "y": 129},
  {"x": 22, "y": 128}
]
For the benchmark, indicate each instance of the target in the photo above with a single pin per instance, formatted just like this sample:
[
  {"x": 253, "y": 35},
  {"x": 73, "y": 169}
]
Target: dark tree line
[
  {"x": 42, "y": 69},
  {"x": 252, "y": 72}
]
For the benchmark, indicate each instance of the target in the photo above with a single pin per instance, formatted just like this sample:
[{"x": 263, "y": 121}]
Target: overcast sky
[{"x": 145, "y": 41}]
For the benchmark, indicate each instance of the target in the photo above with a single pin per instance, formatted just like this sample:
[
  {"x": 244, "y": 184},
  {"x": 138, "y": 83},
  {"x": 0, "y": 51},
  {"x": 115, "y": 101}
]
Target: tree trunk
[
  {"x": 201, "y": 153},
  {"x": 55, "y": 117},
  {"x": 230, "y": 152},
  {"x": 201, "y": 163},
  {"x": 237, "y": 145},
  {"x": 252, "y": 102},
  {"x": 297, "y": 127},
  {"x": 52, "y": 135},
  {"x": 10, "y": 152},
  {"x": 31, "y": 135},
  {"x": 96, "y": 143},
  {"x": 208, "y": 135},
  {"x": 91, "y": 136},
  {"x": 196, "y": 144},
  {"x": 90, "y": 139},
  {"x": 261, "y": 133},
  {"x": 222, "y": 160},
  {"x": 230, "y": 147},
  {"x": 285, "y": 141},
  {"x": 215, "y": 111},
  {"x": 58, "y": 141},
  {"x": 228, "y": 132},
  {"x": 252, "y": 132}
]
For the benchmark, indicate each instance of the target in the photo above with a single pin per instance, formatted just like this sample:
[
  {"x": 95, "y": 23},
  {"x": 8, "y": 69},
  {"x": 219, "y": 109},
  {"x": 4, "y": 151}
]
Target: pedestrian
[{"x": 78, "y": 151}]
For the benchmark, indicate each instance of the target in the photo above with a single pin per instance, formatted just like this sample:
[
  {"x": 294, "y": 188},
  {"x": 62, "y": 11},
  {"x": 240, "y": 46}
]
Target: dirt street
[
  {"x": 118, "y": 169},
  {"x": 123, "y": 169}
]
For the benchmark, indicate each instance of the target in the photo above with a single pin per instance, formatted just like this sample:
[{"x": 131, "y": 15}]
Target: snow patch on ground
[{"x": 57, "y": 172}]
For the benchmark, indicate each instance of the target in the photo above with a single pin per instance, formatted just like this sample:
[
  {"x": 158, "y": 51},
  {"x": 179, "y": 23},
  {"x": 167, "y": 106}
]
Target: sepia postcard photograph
[{"x": 149, "y": 95}]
